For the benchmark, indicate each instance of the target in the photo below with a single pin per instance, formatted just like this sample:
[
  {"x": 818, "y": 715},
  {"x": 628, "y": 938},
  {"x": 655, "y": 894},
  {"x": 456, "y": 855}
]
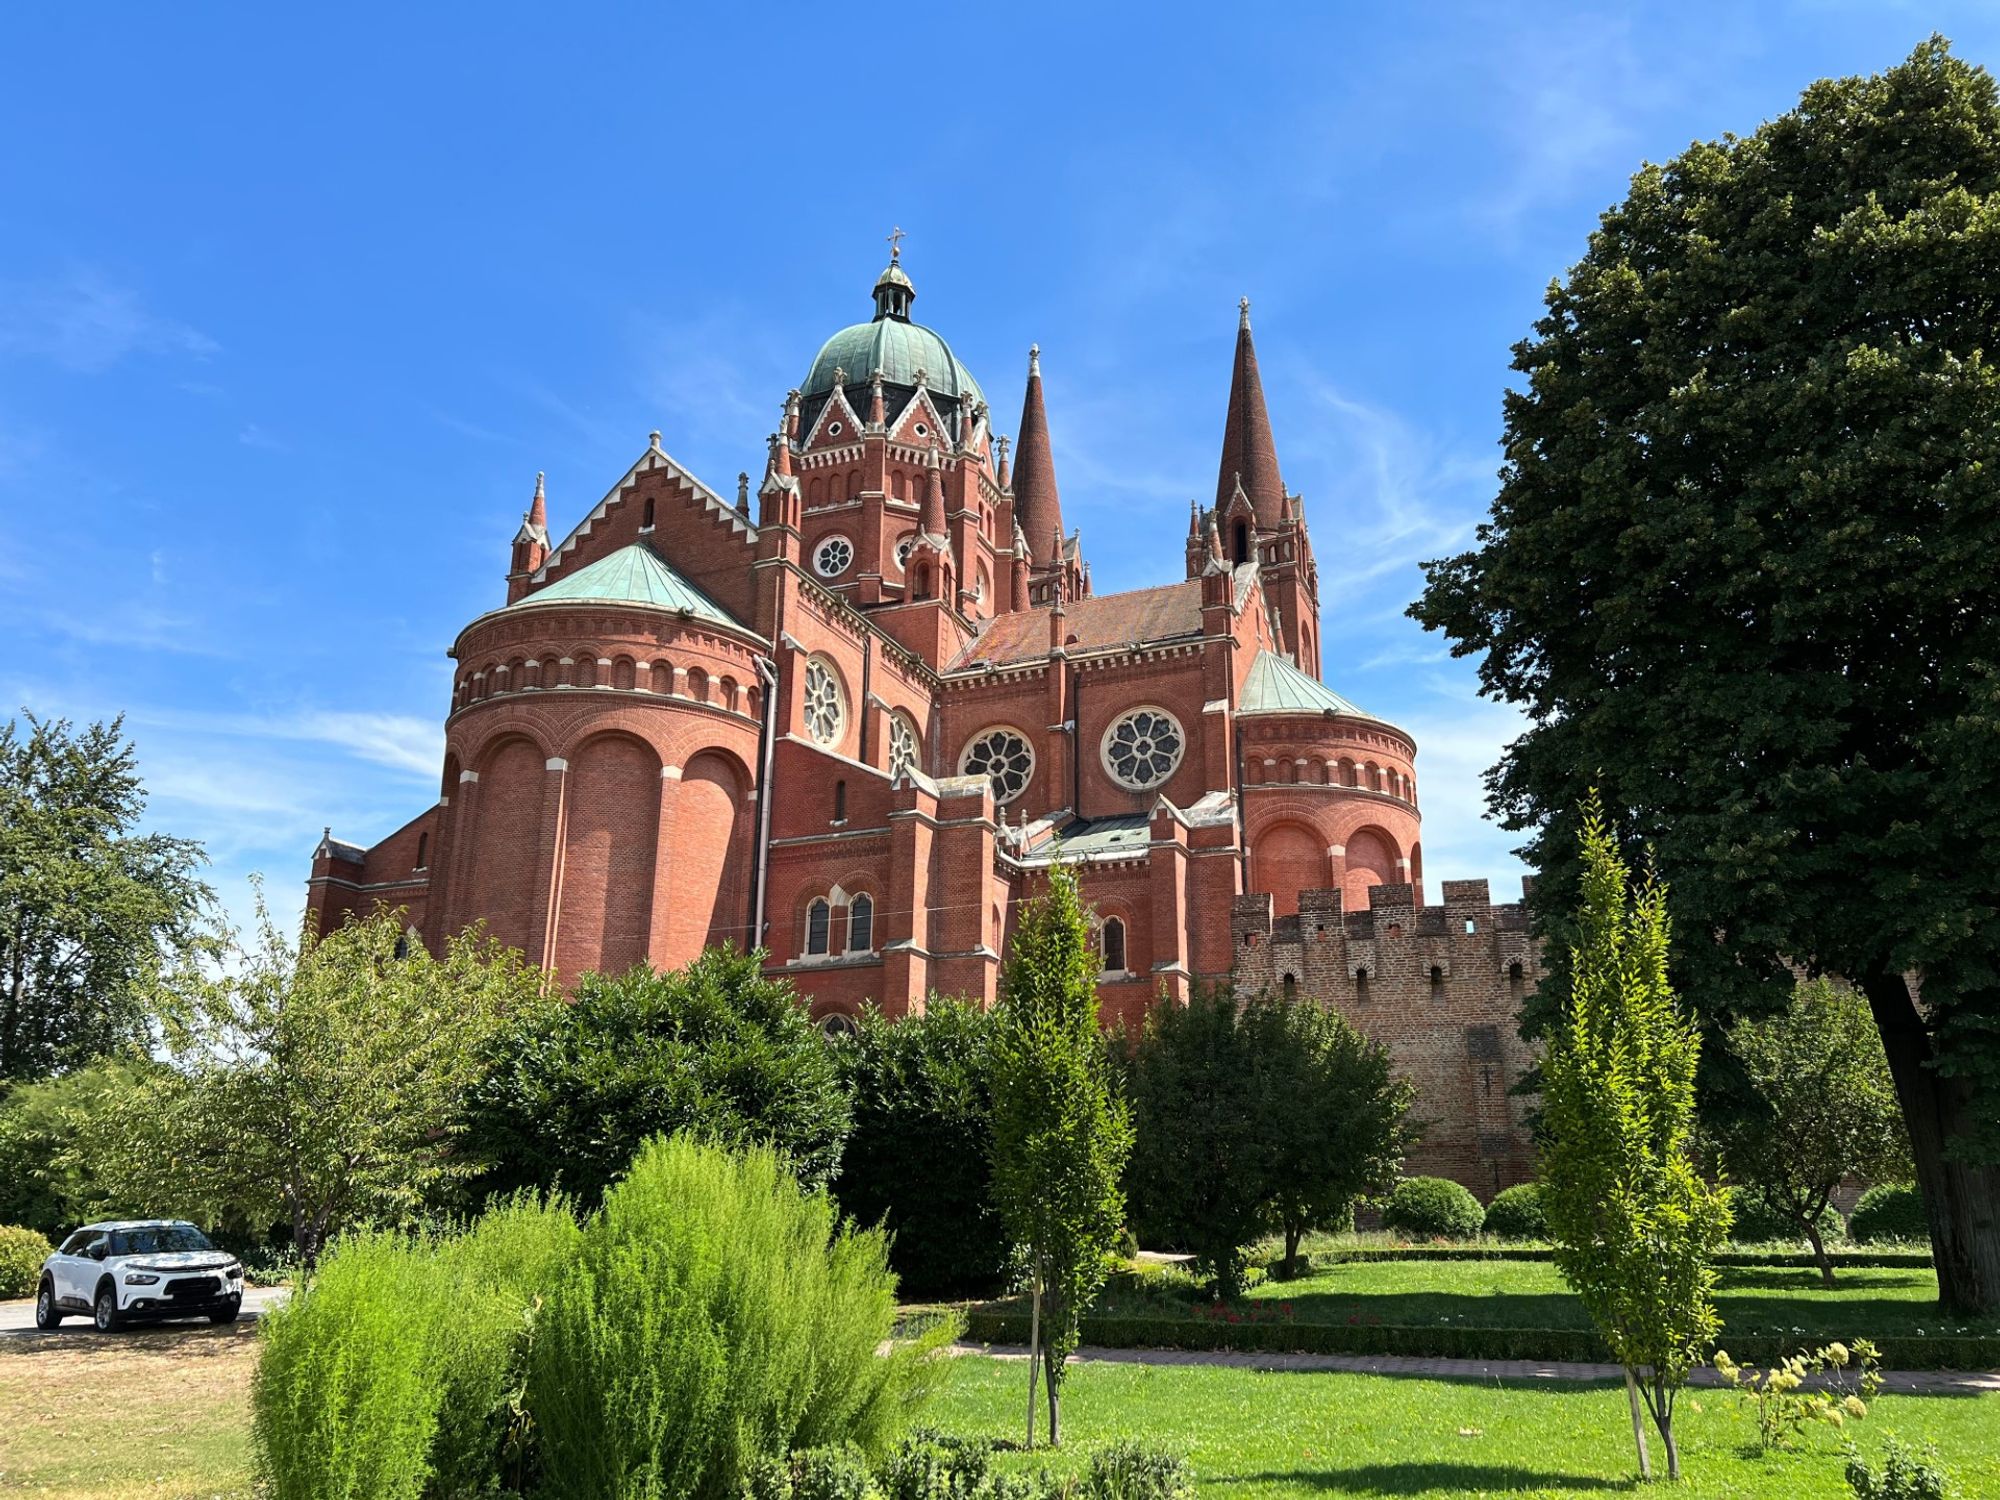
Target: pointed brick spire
[
  {"x": 1249, "y": 455},
  {"x": 538, "y": 508},
  {"x": 1035, "y": 498},
  {"x": 1005, "y": 476}
]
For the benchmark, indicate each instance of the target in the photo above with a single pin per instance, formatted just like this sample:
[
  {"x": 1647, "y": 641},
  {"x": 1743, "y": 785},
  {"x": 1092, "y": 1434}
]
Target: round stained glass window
[
  {"x": 1004, "y": 756},
  {"x": 903, "y": 551},
  {"x": 903, "y": 746},
  {"x": 1143, "y": 748},
  {"x": 825, "y": 708},
  {"x": 834, "y": 557}
]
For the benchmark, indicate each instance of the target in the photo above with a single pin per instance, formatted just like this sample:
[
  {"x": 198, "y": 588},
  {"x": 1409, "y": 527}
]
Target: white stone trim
[{"x": 556, "y": 763}]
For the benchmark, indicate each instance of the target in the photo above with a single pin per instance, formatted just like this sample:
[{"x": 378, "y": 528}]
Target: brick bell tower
[{"x": 1255, "y": 516}]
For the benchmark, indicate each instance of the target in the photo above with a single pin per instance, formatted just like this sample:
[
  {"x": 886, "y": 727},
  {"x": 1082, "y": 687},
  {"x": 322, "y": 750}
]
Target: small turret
[{"x": 531, "y": 544}]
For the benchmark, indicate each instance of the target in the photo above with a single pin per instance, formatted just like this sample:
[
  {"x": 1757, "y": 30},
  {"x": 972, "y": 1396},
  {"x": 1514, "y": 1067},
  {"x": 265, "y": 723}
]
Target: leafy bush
[
  {"x": 48, "y": 1178},
  {"x": 395, "y": 1372},
  {"x": 716, "y": 1314},
  {"x": 1891, "y": 1211},
  {"x": 920, "y": 1160},
  {"x": 1128, "y": 1471},
  {"x": 1905, "y": 1475},
  {"x": 1757, "y": 1222},
  {"x": 1433, "y": 1208},
  {"x": 932, "y": 1466},
  {"x": 574, "y": 1084},
  {"x": 1516, "y": 1214},
  {"x": 22, "y": 1252}
]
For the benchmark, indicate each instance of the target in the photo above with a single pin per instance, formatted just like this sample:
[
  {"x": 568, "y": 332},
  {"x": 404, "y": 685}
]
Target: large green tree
[
  {"x": 920, "y": 1160},
  {"x": 320, "y": 1085},
  {"x": 90, "y": 907},
  {"x": 1740, "y": 574},
  {"x": 572, "y": 1084},
  {"x": 1061, "y": 1135},
  {"x": 1825, "y": 1108},
  {"x": 1635, "y": 1226},
  {"x": 1336, "y": 1118},
  {"x": 1201, "y": 1170}
]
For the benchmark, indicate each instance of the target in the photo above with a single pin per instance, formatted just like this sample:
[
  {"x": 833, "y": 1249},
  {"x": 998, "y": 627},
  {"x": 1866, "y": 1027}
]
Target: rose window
[
  {"x": 834, "y": 557},
  {"x": 824, "y": 710},
  {"x": 1143, "y": 748},
  {"x": 1004, "y": 757},
  {"x": 902, "y": 746},
  {"x": 903, "y": 551}
]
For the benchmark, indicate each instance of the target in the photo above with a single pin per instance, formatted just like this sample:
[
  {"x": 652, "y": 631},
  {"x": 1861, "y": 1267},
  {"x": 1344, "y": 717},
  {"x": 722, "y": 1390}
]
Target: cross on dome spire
[{"x": 896, "y": 238}]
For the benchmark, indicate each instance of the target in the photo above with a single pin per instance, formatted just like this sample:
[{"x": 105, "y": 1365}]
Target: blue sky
[{"x": 293, "y": 306}]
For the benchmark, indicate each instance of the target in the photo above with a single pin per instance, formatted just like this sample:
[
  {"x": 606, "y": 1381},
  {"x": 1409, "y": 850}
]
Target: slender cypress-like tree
[
  {"x": 1635, "y": 1226},
  {"x": 1060, "y": 1133}
]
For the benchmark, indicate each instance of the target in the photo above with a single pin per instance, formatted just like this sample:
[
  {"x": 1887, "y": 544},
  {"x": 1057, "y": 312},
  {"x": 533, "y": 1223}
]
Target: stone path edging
[{"x": 1904, "y": 1382}]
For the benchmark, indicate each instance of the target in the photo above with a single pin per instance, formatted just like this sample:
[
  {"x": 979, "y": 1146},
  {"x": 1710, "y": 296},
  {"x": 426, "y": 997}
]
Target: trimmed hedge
[
  {"x": 1516, "y": 1214},
  {"x": 1433, "y": 1206},
  {"x": 1892, "y": 1211},
  {"x": 1321, "y": 1260},
  {"x": 1443, "y": 1341}
]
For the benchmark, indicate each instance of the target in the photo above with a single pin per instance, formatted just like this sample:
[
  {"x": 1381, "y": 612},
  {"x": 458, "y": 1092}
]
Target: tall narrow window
[
  {"x": 1240, "y": 543},
  {"x": 817, "y": 919},
  {"x": 648, "y": 522},
  {"x": 840, "y": 802},
  {"x": 1437, "y": 982},
  {"x": 1361, "y": 986},
  {"x": 1291, "y": 988},
  {"x": 860, "y": 925},
  {"x": 423, "y": 849},
  {"x": 1114, "y": 946}
]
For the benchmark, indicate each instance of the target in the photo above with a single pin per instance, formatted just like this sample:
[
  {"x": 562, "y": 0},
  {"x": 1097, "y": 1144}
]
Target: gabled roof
[
  {"x": 1166, "y": 613},
  {"x": 631, "y": 575},
  {"x": 1275, "y": 686}
]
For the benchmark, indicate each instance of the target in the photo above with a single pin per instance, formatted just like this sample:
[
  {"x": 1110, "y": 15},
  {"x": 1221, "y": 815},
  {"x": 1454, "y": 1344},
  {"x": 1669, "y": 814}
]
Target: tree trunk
[
  {"x": 1961, "y": 1200},
  {"x": 1292, "y": 1233},
  {"x": 1034, "y": 1353},
  {"x": 1662, "y": 1403},
  {"x": 1824, "y": 1261},
  {"x": 1638, "y": 1424},
  {"x": 1054, "y": 1383}
]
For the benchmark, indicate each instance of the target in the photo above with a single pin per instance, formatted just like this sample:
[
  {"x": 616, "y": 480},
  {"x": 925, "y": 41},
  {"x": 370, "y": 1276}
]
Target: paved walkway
[
  {"x": 19, "y": 1317},
  {"x": 1913, "y": 1382}
]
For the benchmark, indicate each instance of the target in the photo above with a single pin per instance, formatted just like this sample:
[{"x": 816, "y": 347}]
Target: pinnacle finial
[
  {"x": 1243, "y": 312},
  {"x": 539, "y": 477},
  {"x": 653, "y": 438},
  {"x": 1034, "y": 360}
]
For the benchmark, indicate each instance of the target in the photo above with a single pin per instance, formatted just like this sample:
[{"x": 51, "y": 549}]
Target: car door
[{"x": 83, "y": 1268}]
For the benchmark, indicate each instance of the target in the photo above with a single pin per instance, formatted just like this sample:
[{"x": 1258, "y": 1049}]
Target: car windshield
[{"x": 158, "y": 1239}]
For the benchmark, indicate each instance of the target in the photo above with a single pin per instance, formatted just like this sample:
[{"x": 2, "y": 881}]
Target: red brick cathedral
[{"x": 854, "y": 717}]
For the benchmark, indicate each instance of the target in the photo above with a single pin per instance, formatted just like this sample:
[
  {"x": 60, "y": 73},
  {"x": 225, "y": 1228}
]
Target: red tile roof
[{"x": 1159, "y": 614}]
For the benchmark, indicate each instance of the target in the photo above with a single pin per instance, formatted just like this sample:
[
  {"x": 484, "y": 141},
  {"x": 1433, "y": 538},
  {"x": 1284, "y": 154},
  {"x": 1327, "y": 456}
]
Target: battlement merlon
[{"x": 1465, "y": 901}]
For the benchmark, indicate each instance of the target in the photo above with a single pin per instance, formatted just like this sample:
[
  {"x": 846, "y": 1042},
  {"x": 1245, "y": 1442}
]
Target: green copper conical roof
[
  {"x": 1275, "y": 686},
  {"x": 631, "y": 575}
]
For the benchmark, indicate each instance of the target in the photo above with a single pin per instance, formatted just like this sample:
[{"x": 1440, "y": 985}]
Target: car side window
[
  {"x": 74, "y": 1244},
  {"x": 97, "y": 1248}
]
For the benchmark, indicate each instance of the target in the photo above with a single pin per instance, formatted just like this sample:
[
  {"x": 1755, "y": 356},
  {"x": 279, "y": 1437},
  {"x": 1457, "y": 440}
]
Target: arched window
[
  {"x": 1437, "y": 982},
  {"x": 835, "y": 1025},
  {"x": 423, "y": 849},
  {"x": 840, "y": 802},
  {"x": 818, "y": 918},
  {"x": 1361, "y": 985},
  {"x": 647, "y": 524},
  {"x": 1113, "y": 943},
  {"x": 905, "y": 750},
  {"x": 860, "y": 924},
  {"x": 1291, "y": 988},
  {"x": 1239, "y": 545}
]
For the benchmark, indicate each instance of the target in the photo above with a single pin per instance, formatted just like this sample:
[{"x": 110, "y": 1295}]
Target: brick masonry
[{"x": 775, "y": 744}]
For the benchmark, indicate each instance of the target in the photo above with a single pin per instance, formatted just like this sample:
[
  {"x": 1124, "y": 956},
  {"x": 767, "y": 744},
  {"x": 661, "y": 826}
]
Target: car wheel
[
  {"x": 227, "y": 1314},
  {"x": 47, "y": 1314},
  {"x": 107, "y": 1308}
]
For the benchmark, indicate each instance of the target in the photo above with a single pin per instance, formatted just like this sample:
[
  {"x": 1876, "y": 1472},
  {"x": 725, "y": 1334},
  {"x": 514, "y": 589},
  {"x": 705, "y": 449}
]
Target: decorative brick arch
[
  {"x": 610, "y": 848},
  {"x": 1287, "y": 857},
  {"x": 708, "y": 858},
  {"x": 1372, "y": 859},
  {"x": 506, "y": 833}
]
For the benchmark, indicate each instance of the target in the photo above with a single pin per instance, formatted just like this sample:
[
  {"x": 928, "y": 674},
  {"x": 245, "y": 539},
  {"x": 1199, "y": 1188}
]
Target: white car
[{"x": 139, "y": 1271}]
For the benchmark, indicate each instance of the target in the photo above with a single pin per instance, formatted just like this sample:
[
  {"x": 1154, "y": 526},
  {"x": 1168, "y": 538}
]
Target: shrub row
[
  {"x": 1321, "y": 1260},
  {"x": 932, "y": 1466},
  {"x": 22, "y": 1252},
  {"x": 1444, "y": 1341}
]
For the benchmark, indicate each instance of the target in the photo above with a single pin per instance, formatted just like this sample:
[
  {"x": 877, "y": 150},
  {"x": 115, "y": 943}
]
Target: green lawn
[
  {"x": 165, "y": 1414},
  {"x": 1865, "y": 1303},
  {"x": 1251, "y": 1434}
]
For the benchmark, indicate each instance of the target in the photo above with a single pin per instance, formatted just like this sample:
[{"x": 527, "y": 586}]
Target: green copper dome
[{"x": 892, "y": 344}]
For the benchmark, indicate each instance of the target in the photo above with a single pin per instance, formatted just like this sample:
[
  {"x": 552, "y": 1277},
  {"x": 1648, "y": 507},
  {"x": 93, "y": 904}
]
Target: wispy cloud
[
  {"x": 85, "y": 323},
  {"x": 253, "y": 436},
  {"x": 132, "y": 625},
  {"x": 402, "y": 742}
]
